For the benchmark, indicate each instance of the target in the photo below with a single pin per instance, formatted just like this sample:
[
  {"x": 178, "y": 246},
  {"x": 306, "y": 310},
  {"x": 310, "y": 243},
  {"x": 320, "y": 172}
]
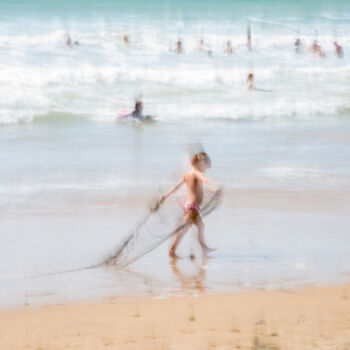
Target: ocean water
[
  {"x": 40, "y": 76},
  {"x": 74, "y": 179}
]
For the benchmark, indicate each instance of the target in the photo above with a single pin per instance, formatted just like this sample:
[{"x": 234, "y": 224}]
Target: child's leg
[
  {"x": 187, "y": 222},
  {"x": 200, "y": 235}
]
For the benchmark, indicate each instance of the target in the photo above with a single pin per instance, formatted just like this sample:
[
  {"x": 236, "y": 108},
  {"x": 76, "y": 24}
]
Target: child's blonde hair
[{"x": 198, "y": 156}]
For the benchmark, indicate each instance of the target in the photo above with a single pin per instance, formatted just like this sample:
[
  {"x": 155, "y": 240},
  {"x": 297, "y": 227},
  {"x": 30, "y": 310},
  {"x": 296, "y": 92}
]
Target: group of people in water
[
  {"x": 70, "y": 43},
  {"x": 204, "y": 47},
  {"x": 317, "y": 50}
]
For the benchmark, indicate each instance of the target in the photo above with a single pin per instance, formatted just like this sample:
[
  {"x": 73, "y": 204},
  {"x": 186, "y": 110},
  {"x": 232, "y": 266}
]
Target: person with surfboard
[
  {"x": 194, "y": 180},
  {"x": 136, "y": 113}
]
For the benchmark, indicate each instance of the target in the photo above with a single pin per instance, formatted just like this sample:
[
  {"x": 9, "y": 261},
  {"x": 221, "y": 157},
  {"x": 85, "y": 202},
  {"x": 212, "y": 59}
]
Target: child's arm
[
  {"x": 173, "y": 189},
  {"x": 211, "y": 185}
]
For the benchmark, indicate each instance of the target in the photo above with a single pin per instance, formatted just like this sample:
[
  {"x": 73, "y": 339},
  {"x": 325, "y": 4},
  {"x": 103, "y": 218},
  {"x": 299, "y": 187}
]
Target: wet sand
[
  {"x": 265, "y": 239},
  {"x": 306, "y": 318}
]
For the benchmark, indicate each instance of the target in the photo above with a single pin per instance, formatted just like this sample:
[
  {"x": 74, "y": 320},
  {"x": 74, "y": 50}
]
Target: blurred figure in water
[
  {"x": 178, "y": 47},
  {"x": 317, "y": 50},
  {"x": 126, "y": 40},
  {"x": 297, "y": 46},
  {"x": 209, "y": 53},
  {"x": 200, "y": 46},
  {"x": 249, "y": 39},
  {"x": 228, "y": 50},
  {"x": 315, "y": 47},
  {"x": 69, "y": 42},
  {"x": 137, "y": 112},
  {"x": 250, "y": 82},
  {"x": 338, "y": 50}
]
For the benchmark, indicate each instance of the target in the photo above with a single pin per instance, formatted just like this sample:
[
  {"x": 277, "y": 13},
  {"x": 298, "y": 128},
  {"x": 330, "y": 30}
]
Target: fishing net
[{"x": 161, "y": 222}]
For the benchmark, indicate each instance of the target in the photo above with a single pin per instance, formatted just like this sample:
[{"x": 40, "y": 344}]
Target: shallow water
[
  {"x": 74, "y": 181},
  {"x": 70, "y": 192}
]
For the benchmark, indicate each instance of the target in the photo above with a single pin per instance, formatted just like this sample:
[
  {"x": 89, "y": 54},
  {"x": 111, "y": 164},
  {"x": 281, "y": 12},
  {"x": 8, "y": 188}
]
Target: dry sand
[{"x": 307, "y": 318}]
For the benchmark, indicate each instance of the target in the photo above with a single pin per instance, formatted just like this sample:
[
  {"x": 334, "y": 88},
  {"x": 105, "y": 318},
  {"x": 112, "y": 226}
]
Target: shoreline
[
  {"x": 284, "y": 247},
  {"x": 307, "y": 317}
]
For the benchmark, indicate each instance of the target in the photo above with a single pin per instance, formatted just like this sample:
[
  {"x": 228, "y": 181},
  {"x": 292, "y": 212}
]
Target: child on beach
[{"x": 194, "y": 179}]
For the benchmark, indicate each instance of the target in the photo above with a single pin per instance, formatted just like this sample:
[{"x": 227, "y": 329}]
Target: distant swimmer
[
  {"x": 194, "y": 181},
  {"x": 200, "y": 46},
  {"x": 69, "y": 42},
  {"x": 126, "y": 40},
  {"x": 317, "y": 50},
  {"x": 178, "y": 47},
  {"x": 250, "y": 84},
  {"x": 249, "y": 38},
  {"x": 228, "y": 49},
  {"x": 297, "y": 46},
  {"x": 314, "y": 47},
  {"x": 136, "y": 113},
  {"x": 338, "y": 50}
]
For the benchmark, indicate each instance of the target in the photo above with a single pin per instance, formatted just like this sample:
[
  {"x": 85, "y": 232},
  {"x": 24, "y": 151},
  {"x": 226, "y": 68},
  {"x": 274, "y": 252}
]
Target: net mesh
[{"x": 160, "y": 223}]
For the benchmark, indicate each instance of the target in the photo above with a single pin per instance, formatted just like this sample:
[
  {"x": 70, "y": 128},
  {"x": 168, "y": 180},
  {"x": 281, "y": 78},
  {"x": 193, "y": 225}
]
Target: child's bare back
[{"x": 193, "y": 179}]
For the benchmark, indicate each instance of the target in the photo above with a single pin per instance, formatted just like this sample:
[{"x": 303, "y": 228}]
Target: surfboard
[{"x": 127, "y": 115}]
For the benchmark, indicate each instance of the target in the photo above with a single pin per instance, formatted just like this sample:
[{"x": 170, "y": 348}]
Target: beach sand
[{"x": 315, "y": 317}]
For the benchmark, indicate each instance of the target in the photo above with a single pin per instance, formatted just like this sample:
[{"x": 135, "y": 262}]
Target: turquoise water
[
  {"x": 74, "y": 179},
  {"x": 190, "y": 8}
]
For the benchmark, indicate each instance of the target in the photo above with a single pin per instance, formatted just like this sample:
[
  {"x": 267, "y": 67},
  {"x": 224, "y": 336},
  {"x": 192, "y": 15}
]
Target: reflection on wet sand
[{"x": 193, "y": 281}]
